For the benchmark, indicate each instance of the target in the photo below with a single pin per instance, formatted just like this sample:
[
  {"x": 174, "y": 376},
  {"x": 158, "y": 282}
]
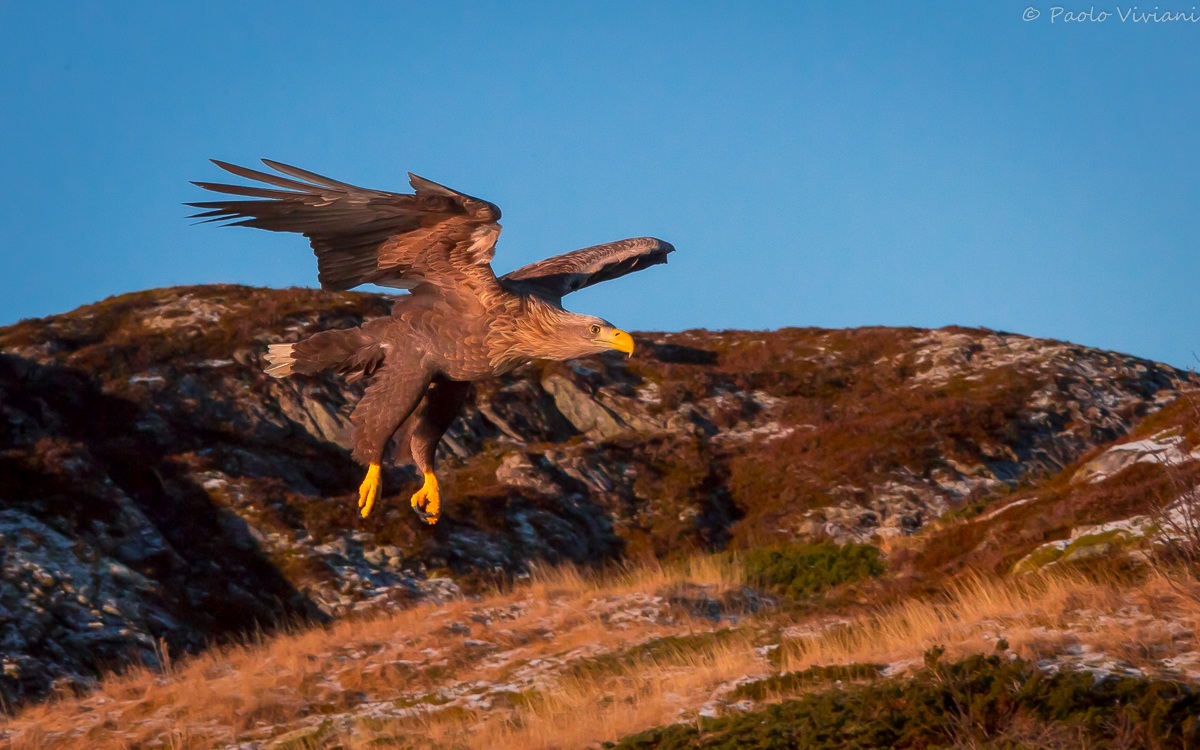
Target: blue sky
[{"x": 830, "y": 164}]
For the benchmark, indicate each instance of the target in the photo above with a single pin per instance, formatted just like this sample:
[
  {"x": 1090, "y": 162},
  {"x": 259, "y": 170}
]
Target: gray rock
[
  {"x": 518, "y": 470},
  {"x": 581, "y": 410}
]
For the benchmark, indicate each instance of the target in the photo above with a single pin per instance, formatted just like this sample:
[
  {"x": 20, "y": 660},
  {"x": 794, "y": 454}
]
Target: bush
[
  {"x": 804, "y": 570},
  {"x": 982, "y": 701},
  {"x": 794, "y": 682}
]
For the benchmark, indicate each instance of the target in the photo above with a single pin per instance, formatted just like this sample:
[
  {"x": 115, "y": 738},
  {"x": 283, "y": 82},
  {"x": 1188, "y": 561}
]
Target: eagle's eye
[{"x": 595, "y": 330}]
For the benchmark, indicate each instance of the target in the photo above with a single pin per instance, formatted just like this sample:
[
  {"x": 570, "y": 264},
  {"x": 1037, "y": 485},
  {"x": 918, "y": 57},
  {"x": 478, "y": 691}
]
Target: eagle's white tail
[
  {"x": 281, "y": 359},
  {"x": 351, "y": 352}
]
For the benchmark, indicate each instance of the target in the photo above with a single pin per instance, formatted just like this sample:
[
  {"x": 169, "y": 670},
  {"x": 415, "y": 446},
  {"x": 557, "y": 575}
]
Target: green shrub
[
  {"x": 792, "y": 682},
  {"x": 982, "y": 701},
  {"x": 800, "y": 571}
]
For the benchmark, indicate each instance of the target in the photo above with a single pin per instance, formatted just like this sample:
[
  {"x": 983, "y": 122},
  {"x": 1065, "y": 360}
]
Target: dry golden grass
[
  {"x": 555, "y": 668},
  {"x": 974, "y": 607},
  {"x": 249, "y": 691},
  {"x": 1036, "y": 615},
  {"x": 584, "y": 711},
  {"x": 719, "y": 571}
]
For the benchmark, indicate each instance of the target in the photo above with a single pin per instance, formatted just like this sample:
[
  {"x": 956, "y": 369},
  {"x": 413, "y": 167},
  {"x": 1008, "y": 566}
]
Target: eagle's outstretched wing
[
  {"x": 435, "y": 236},
  {"x": 553, "y": 278}
]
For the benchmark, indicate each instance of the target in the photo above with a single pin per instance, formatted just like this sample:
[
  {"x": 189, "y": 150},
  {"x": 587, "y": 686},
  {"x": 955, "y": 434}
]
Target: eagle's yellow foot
[
  {"x": 369, "y": 490},
  {"x": 426, "y": 501}
]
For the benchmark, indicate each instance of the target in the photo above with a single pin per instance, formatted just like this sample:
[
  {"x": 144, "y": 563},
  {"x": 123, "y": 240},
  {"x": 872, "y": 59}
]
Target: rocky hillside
[
  {"x": 680, "y": 656},
  {"x": 158, "y": 492}
]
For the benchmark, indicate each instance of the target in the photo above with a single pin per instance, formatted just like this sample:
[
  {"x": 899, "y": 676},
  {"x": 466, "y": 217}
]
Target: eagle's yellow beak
[{"x": 618, "y": 340}]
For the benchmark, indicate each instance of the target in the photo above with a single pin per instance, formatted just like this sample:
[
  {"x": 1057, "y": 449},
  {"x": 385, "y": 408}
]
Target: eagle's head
[
  {"x": 550, "y": 332},
  {"x": 596, "y": 335}
]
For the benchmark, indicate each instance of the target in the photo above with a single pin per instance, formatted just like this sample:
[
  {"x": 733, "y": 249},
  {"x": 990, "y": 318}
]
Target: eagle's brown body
[{"x": 460, "y": 324}]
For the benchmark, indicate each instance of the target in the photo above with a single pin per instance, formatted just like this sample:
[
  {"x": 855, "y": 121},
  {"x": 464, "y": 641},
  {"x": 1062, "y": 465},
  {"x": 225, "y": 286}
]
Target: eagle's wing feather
[
  {"x": 555, "y": 277},
  {"x": 435, "y": 236}
]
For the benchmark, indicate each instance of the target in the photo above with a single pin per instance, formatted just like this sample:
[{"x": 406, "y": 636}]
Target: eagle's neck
[{"x": 532, "y": 329}]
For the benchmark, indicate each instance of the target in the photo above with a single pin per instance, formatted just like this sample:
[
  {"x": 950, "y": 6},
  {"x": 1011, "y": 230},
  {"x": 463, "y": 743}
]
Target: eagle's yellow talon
[
  {"x": 426, "y": 501},
  {"x": 369, "y": 490}
]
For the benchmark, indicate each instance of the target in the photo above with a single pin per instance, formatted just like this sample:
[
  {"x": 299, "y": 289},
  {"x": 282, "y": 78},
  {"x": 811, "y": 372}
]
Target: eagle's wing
[
  {"x": 435, "y": 236},
  {"x": 553, "y": 278}
]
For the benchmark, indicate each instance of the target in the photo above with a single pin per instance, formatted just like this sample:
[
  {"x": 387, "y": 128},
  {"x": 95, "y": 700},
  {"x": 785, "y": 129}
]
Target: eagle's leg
[
  {"x": 442, "y": 403},
  {"x": 387, "y": 403}
]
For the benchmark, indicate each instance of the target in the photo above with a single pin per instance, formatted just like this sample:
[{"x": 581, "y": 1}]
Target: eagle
[{"x": 459, "y": 322}]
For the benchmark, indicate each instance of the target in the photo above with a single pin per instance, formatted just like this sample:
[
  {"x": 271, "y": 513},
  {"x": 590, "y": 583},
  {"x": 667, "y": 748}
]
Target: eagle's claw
[
  {"x": 426, "y": 501},
  {"x": 368, "y": 491}
]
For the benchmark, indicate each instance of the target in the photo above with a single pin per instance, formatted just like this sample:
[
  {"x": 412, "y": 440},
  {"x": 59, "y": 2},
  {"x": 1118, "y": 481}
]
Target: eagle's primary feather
[{"x": 460, "y": 323}]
